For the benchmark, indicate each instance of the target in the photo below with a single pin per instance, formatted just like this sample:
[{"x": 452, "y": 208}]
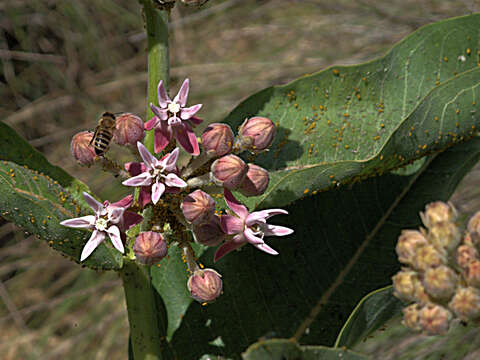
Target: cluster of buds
[
  {"x": 173, "y": 199},
  {"x": 441, "y": 276}
]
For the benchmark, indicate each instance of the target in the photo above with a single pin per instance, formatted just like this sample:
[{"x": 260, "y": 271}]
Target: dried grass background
[{"x": 62, "y": 63}]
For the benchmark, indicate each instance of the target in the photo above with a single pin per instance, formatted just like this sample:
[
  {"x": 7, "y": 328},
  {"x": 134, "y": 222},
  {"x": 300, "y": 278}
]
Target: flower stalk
[{"x": 156, "y": 24}]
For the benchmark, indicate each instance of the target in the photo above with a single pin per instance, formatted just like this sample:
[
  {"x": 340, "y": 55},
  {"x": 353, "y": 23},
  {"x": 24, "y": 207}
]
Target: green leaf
[
  {"x": 170, "y": 281},
  {"x": 347, "y": 123},
  {"x": 37, "y": 204},
  {"x": 14, "y": 148},
  {"x": 371, "y": 313},
  {"x": 280, "y": 349},
  {"x": 342, "y": 249}
]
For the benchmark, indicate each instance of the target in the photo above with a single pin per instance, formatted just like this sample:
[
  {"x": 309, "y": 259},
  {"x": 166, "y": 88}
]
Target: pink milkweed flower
[
  {"x": 109, "y": 219},
  {"x": 160, "y": 174},
  {"x": 248, "y": 227},
  {"x": 173, "y": 119}
]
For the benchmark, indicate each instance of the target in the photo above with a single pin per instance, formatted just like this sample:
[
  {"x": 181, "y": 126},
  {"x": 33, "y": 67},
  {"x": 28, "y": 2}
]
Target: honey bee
[{"x": 103, "y": 133}]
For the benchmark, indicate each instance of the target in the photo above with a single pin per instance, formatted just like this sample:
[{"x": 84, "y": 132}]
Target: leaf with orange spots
[
  {"x": 37, "y": 204},
  {"x": 359, "y": 121}
]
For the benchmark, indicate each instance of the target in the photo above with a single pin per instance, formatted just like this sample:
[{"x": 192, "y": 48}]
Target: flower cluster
[
  {"x": 441, "y": 277},
  {"x": 174, "y": 196}
]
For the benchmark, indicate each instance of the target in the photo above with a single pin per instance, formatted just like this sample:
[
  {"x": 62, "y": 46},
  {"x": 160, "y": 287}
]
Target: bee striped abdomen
[{"x": 102, "y": 142}]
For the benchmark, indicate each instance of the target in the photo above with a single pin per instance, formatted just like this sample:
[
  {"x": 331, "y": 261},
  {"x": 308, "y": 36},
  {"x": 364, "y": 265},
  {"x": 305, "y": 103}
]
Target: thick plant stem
[
  {"x": 145, "y": 332},
  {"x": 156, "y": 23}
]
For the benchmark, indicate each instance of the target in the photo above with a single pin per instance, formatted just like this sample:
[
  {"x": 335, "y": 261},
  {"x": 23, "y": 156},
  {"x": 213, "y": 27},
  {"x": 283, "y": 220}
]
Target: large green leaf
[
  {"x": 350, "y": 122},
  {"x": 373, "y": 311},
  {"x": 342, "y": 249},
  {"x": 280, "y": 349},
  {"x": 16, "y": 149},
  {"x": 37, "y": 204}
]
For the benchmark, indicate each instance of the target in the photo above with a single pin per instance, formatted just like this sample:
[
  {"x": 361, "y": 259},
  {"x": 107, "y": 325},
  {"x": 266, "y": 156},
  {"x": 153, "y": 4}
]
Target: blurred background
[{"x": 62, "y": 63}]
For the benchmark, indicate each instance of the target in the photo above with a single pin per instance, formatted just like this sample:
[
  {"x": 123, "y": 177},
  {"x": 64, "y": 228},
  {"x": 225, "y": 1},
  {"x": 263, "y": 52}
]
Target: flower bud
[
  {"x": 472, "y": 273},
  {"x": 149, "y": 247},
  {"x": 209, "y": 233},
  {"x": 217, "y": 139},
  {"x": 435, "y": 319},
  {"x": 205, "y": 285},
  {"x": 411, "y": 317},
  {"x": 465, "y": 255},
  {"x": 421, "y": 296},
  {"x": 440, "y": 282},
  {"x": 404, "y": 283},
  {"x": 128, "y": 129},
  {"x": 438, "y": 212},
  {"x": 255, "y": 182},
  {"x": 407, "y": 245},
  {"x": 474, "y": 223},
  {"x": 445, "y": 236},
  {"x": 81, "y": 148},
  {"x": 198, "y": 207},
  {"x": 256, "y": 134},
  {"x": 229, "y": 171},
  {"x": 427, "y": 257},
  {"x": 466, "y": 303}
]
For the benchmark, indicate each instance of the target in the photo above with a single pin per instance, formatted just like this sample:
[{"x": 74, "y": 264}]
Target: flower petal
[
  {"x": 174, "y": 181},
  {"x": 114, "y": 234},
  {"x": 163, "y": 135},
  {"x": 96, "y": 206},
  {"x": 144, "y": 179},
  {"x": 187, "y": 138},
  {"x": 231, "y": 224},
  {"x": 168, "y": 162},
  {"x": 81, "y": 222},
  {"x": 135, "y": 168},
  {"x": 277, "y": 230},
  {"x": 145, "y": 195},
  {"x": 115, "y": 214},
  {"x": 150, "y": 124},
  {"x": 149, "y": 160},
  {"x": 130, "y": 219},
  {"x": 226, "y": 248},
  {"x": 92, "y": 243},
  {"x": 195, "y": 120},
  {"x": 126, "y": 202},
  {"x": 182, "y": 95},
  {"x": 264, "y": 247},
  {"x": 187, "y": 113},
  {"x": 235, "y": 205},
  {"x": 158, "y": 189},
  {"x": 163, "y": 98},
  {"x": 270, "y": 212},
  {"x": 252, "y": 238},
  {"x": 160, "y": 114}
]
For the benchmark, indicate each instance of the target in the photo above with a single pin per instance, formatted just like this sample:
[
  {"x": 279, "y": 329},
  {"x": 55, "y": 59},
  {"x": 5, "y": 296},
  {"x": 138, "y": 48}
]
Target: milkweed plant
[{"x": 337, "y": 163}]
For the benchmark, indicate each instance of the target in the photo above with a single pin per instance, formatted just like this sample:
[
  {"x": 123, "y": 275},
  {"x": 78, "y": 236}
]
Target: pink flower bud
[
  {"x": 472, "y": 273},
  {"x": 255, "y": 182},
  {"x": 205, "y": 285},
  {"x": 428, "y": 257},
  {"x": 198, "y": 207},
  {"x": 149, "y": 247},
  {"x": 466, "y": 303},
  {"x": 81, "y": 148},
  {"x": 445, "y": 236},
  {"x": 229, "y": 171},
  {"x": 256, "y": 134},
  {"x": 408, "y": 244},
  {"x": 217, "y": 139},
  {"x": 128, "y": 129},
  {"x": 435, "y": 319},
  {"x": 411, "y": 317},
  {"x": 440, "y": 282},
  {"x": 209, "y": 233},
  {"x": 465, "y": 255}
]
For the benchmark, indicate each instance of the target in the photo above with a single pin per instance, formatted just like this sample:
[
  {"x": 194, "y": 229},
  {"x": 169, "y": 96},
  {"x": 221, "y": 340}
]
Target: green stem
[
  {"x": 156, "y": 23},
  {"x": 145, "y": 333}
]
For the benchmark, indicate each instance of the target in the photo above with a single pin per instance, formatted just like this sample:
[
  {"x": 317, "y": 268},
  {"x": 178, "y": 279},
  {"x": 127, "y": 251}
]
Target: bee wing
[{"x": 94, "y": 136}]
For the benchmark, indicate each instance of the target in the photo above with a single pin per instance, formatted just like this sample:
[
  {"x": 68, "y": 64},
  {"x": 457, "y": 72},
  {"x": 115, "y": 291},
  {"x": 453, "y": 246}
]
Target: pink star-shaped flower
[
  {"x": 159, "y": 174},
  {"x": 109, "y": 219},
  {"x": 173, "y": 119},
  {"x": 248, "y": 227}
]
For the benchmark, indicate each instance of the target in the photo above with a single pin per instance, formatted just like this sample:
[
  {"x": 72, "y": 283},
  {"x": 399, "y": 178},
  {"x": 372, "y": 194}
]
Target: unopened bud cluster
[{"x": 441, "y": 276}]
